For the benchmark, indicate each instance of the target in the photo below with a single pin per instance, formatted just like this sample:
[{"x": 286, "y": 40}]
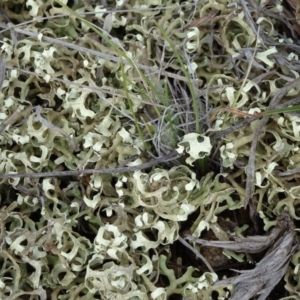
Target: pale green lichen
[{"x": 110, "y": 236}]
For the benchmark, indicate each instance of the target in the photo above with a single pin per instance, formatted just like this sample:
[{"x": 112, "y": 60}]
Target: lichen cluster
[{"x": 113, "y": 85}]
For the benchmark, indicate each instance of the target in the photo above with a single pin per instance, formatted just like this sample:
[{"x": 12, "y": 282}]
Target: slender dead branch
[
  {"x": 198, "y": 255},
  {"x": 46, "y": 123},
  {"x": 250, "y": 171},
  {"x": 142, "y": 166},
  {"x": 97, "y": 53}
]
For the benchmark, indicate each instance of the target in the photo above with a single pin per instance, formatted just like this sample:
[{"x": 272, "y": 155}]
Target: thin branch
[
  {"x": 98, "y": 53},
  {"x": 198, "y": 255},
  {"x": 46, "y": 123},
  {"x": 146, "y": 165},
  {"x": 250, "y": 171}
]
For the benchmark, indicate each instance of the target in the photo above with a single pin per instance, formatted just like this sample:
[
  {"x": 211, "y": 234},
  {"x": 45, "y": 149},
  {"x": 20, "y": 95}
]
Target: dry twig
[
  {"x": 268, "y": 272},
  {"x": 46, "y": 123},
  {"x": 146, "y": 165},
  {"x": 251, "y": 163}
]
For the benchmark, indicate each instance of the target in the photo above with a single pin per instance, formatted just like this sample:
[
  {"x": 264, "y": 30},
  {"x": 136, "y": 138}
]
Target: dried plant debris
[{"x": 281, "y": 243}]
